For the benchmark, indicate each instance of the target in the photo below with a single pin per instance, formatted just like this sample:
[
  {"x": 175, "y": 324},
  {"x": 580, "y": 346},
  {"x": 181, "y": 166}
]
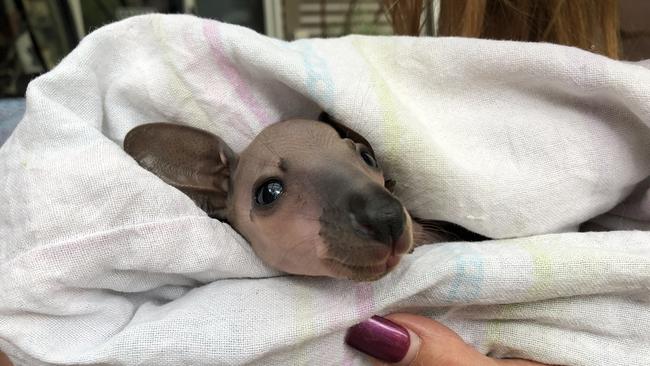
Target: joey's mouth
[{"x": 362, "y": 272}]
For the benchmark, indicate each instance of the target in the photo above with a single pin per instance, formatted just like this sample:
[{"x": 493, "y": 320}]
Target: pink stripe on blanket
[
  {"x": 211, "y": 32},
  {"x": 365, "y": 308}
]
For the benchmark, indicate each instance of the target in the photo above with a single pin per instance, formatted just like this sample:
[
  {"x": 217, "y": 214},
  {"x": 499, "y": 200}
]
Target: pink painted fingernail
[{"x": 379, "y": 338}]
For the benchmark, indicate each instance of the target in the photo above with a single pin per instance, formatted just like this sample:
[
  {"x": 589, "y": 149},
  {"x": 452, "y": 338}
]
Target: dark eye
[
  {"x": 268, "y": 192},
  {"x": 369, "y": 159}
]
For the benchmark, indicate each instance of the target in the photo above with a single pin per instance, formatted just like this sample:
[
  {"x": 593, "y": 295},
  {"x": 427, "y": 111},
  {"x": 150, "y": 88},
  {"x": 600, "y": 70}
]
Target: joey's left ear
[
  {"x": 196, "y": 162},
  {"x": 345, "y": 132}
]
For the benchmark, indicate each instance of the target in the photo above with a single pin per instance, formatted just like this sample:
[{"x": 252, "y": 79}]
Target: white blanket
[{"x": 102, "y": 263}]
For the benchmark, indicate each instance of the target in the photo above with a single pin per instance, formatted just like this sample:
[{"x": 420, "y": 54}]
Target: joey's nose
[{"x": 377, "y": 215}]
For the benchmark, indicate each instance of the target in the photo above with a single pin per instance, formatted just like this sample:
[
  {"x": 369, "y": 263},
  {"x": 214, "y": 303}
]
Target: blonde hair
[{"x": 592, "y": 25}]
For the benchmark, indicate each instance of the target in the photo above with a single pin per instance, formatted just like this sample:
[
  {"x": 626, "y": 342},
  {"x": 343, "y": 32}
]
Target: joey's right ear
[
  {"x": 196, "y": 162},
  {"x": 344, "y": 131}
]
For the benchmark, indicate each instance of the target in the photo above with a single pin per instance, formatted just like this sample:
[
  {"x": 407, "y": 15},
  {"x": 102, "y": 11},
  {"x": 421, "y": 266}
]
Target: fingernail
[{"x": 379, "y": 338}]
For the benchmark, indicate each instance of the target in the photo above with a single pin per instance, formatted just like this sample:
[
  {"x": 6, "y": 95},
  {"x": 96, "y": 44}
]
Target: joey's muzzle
[{"x": 376, "y": 214}]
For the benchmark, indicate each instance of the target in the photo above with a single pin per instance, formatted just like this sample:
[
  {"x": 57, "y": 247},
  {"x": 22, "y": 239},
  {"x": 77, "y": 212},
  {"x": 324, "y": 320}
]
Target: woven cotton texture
[{"x": 103, "y": 263}]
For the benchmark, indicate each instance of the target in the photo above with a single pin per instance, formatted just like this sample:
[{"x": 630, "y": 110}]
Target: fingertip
[
  {"x": 380, "y": 338},
  {"x": 412, "y": 340},
  {"x": 433, "y": 344},
  {"x": 386, "y": 342}
]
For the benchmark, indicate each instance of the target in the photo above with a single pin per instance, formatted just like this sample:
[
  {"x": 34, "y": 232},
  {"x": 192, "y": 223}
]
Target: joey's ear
[
  {"x": 345, "y": 132},
  {"x": 195, "y": 161},
  {"x": 390, "y": 184}
]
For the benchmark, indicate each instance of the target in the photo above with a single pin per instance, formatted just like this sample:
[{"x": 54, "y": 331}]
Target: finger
[
  {"x": 412, "y": 340},
  {"x": 442, "y": 346},
  {"x": 439, "y": 345},
  {"x": 383, "y": 339}
]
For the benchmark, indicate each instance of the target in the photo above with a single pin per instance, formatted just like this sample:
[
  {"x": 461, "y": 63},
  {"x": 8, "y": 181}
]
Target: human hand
[{"x": 413, "y": 340}]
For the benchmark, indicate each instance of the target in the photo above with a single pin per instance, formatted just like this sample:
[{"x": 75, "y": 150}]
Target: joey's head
[
  {"x": 310, "y": 198},
  {"x": 308, "y": 195}
]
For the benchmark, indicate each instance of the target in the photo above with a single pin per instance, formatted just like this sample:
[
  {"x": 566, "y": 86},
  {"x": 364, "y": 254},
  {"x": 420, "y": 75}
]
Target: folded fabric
[{"x": 103, "y": 263}]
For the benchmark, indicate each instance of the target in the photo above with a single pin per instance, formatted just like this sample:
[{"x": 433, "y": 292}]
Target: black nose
[{"x": 378, "y": 215}]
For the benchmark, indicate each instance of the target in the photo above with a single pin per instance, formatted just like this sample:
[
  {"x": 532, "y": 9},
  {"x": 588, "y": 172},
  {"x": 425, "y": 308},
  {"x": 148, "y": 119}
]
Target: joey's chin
[
  {"x": 361, "y": 272},
  {"x": 368, "y": 265}
]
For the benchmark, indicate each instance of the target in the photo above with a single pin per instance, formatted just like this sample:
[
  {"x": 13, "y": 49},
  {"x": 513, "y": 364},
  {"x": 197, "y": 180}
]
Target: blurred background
[{"x": 36, "y": 34}]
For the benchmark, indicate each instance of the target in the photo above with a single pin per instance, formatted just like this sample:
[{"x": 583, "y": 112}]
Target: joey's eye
[
  {"x": 369, "y": 159},
  {"x": 268, "y": 192}
]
